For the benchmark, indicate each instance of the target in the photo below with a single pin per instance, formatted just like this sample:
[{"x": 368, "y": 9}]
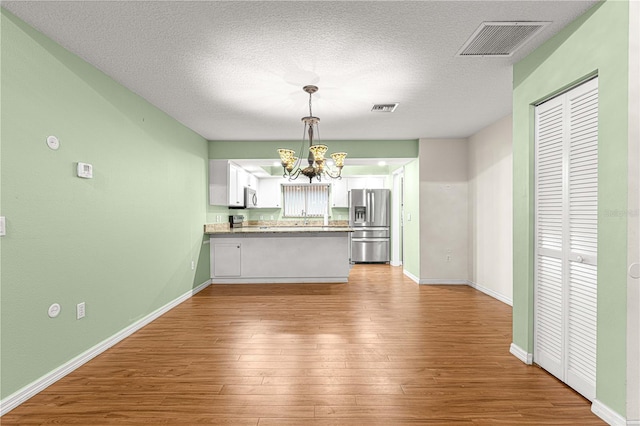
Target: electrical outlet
[
  {"x": 218, "y": 218},
  {"x": 80, "y": 310},
  {"x": 3, "y": 226},
  {"x": 193, "y": 265},
  {"x": 54, "y": 310}
]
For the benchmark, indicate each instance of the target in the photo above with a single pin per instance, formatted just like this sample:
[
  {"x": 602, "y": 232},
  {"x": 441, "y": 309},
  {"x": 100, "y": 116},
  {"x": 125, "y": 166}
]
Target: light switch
[{"x": 85, "y": 170}]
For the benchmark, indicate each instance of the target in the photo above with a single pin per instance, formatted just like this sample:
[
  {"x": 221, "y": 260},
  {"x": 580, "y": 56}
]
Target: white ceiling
[{"x": 235, "y": 70}]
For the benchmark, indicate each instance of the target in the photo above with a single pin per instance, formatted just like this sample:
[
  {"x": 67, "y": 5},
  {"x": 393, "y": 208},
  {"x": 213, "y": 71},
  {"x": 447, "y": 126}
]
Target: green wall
[
  {"x": 121, "y": 242},
  {"x": 596, "y": 43},
  {"x": 221, "y": 150}
]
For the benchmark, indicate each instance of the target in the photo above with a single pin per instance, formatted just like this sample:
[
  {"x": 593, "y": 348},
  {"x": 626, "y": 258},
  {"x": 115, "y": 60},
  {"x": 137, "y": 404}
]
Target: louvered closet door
[
  {"x": 566, "y": 236},
  {"x": 582, "y": 104},
  {"x": 550, "y": 130}
]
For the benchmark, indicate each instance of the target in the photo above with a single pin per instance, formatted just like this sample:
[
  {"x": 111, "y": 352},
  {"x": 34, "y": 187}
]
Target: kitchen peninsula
[{"x": 279, "y": 254}]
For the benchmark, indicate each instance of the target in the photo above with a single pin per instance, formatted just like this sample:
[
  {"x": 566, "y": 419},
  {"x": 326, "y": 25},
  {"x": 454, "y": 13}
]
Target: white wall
[
  {"x": 443, "y": 211},
  {"x": 490, "y": 173}
]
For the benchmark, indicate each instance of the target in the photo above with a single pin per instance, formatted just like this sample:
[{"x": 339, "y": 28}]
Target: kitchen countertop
[{"x": 209, "y": 229}]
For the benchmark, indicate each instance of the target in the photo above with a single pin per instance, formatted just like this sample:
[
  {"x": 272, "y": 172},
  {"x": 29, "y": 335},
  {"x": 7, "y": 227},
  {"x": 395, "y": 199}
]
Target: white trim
[
  {"x": 607, "y": 414},
  {"x": 392, "y": 263},
  {"x": 280, "y": 280},
  {"x": 521, "y": 354},
  {"x": 444, "y": 281},
  {"x": 633, "y": 222},
  {"x": 448, "y": 281},
  {"x": 21, "y": 395},
  {"x": 491, "y": 293},
  {"x": 411, "y": 276}
]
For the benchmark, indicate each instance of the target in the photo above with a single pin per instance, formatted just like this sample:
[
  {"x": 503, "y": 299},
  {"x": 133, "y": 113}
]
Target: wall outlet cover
[
  {"x": 53, "y": 142},
  {"x": 3, "y": 226},
  {"x": 54, "y": 310}
]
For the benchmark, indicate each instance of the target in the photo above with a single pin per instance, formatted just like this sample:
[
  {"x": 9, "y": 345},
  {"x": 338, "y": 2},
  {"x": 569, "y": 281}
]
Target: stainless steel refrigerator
[{"x": 369, "y": 211}]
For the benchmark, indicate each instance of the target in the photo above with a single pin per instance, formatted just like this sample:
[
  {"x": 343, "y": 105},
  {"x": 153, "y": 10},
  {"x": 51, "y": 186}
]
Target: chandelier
[{"x": 317, "y": 164}]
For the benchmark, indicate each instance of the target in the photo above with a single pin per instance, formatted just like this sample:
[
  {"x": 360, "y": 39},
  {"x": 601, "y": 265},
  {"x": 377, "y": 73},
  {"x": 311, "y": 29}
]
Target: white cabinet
[
  {"x": 365, "y": 182},
  {"x": 237, "y": 181},
  {"x": 227, "y": 182},
  {"x": 252, "y": 181},
  {"x": 339, "y": 193},
  {"x": 226, "y": 259},
  {"x": 270, "y": 193}
]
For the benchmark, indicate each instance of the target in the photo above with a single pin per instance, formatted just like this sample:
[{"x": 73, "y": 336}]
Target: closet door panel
[
  {"x": 566, "y": 237},
  {"x": 582, "y": 105},
  {"x": 550, "y": 130}
]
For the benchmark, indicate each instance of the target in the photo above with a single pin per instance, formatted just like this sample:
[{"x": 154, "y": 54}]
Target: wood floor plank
[{"x": 379, "y": 350}]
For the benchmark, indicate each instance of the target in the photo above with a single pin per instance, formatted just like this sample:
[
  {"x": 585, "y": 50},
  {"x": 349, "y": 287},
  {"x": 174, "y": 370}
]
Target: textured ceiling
[{"x": 235, "y": 70}]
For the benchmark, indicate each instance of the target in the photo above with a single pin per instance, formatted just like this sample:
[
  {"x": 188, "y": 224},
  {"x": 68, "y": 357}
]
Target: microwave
[{"x": 250, "y": 198}]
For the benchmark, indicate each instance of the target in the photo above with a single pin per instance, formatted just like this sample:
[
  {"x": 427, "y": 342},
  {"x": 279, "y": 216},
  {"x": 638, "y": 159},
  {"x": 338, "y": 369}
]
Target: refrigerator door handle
[
  {"x": 373, "y": 206},
  {"x": 368, "y": 206}
]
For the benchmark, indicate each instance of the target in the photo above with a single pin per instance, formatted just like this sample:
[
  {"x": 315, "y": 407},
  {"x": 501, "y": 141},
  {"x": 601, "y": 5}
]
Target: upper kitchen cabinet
[
  {"x": 365, "y": 182},
  {"x": 270, "y": 190},
  {"x": 227, "y": 182},
  {"x": 339, "y": 193}
]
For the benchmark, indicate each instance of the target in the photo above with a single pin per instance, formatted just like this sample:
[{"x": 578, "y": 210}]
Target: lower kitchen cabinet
[
  {"x": 275, "y": 257},
  {"x": 226, "y": 259}
]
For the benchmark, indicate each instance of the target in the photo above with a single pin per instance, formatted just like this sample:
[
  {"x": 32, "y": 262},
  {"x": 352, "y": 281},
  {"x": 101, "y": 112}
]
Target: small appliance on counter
[{"x": 236, "y": 220}]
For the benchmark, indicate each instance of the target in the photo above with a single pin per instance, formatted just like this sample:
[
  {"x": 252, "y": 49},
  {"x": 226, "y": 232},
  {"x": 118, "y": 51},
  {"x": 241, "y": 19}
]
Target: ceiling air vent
[
  {"x": 500, "y": 38},
  {"x": 384, "y": 107}
]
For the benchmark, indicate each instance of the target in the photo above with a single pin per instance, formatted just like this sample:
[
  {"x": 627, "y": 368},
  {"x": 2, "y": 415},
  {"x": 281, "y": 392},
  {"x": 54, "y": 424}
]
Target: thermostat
[{"x": 85, "y": 170}]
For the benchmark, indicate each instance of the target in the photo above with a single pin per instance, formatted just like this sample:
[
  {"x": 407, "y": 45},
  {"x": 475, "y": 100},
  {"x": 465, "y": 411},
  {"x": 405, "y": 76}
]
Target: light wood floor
[{"x": 380, "y": 350}]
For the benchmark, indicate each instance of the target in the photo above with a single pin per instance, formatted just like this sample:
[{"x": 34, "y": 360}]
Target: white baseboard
[
  {"x": 448, "y": 281},
  {"x": 491, "y": 293},
  {"x": 521, "y": 354},
  {"x": 607, "y": 414},
  {"x": 21, "y": 395},
  {"x": 411, "y": 276},
  {"x": 444, "y": 281},
  {"x": 281, "y": 280},
  {"x": 633, "y": 422}
]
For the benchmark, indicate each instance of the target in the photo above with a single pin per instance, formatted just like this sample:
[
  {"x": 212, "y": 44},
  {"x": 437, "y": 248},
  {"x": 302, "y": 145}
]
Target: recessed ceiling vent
[
  {"x": 384, "y": 107},
  {"x": 500, "y": 38}
]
